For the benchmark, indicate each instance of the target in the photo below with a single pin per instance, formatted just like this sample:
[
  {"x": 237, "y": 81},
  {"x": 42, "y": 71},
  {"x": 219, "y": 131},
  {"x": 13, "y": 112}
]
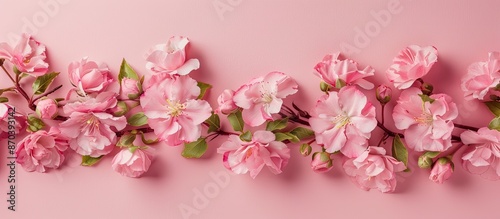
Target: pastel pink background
[{"x": 254, "y": 38}]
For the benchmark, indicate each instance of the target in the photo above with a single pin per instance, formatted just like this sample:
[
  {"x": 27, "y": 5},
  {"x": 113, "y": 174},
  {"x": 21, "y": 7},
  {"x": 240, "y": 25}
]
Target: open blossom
[
  {"x": 242, "y": 157},
  {"x": 343, "y": 121},
  {"x": 89, "y": 126},
  {"x": 131, "y": 163},
  {"x": 442, "y": 170},
  {"x": 28, "y": 56},
  {"x": 331, "y": 69},
  {"x": 481, "y": 77},
  {"x": 170, "y": 58},
  {"x": 46, "y": 108},
  {"x": 374, "y": 170},
  {"x": 41, "y": 150},
  {"x": 482, "y": 155},
  {"x": 226, "y": 103},
  {"x": 173, "y": 110},
  {"x": 88, "y": 76},
  {"x": 263, "y": 96},
  {"x": 427, "y": 124},
  {"x": 410, "y": 64}
]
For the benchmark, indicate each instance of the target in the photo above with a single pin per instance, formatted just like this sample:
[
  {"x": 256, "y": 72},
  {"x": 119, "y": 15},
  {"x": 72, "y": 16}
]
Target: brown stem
[
  {"x": 6, "y": 72},
  {"x": 143, "y": 130},
  {"x": 47, "y": 93},
  {"x": 392, "y": 134},
  {"x": 466, "y": 127}
]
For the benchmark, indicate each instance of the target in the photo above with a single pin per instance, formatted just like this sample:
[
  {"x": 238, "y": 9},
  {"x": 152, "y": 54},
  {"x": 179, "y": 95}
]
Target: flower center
[
  {"x": 266, "y": 92},
  {"x": 341, "y": 120},
  {"x": 175, "y": 108},
  {"x": 267, "y": 98},
  {"x": 424, "y": 118},
  {"x": 27, "y": 60}
]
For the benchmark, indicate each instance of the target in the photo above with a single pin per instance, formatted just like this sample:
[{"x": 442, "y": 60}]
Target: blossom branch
[{"x": 466, "y": 127}]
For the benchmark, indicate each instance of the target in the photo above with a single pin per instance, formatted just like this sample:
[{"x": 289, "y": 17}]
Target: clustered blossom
[
  {"x": 410, "y": 64},
  {"x": 173, "y": 110},
  {"x": 89, "y": 126},
  {"x": 332, "y": 71},
  {"x": 263, "y": 96},
  {"x": 88, "y": 76},
  {"x": 481, "y": 77},
  {"x": 28, "y": 56},
  {"x": 343, "y": 121},
  {"x": 42, "y": 150},
  {"x": 482, "y": 155},
  {"x": 263, "y": 150},
  {"x": 426, "y": 120},
  {"x": 373, "y": 169},
  {"x": 168, "y": 106}
]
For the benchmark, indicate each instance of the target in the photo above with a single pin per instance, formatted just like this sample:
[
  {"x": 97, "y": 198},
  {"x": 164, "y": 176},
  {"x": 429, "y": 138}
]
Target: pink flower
[
  {"x": 41, "y": 150},
  {"x": 28, "y": 56},
  {"x": 240, "y": 156},
  {"x": 343, "y": 121},
  {"x": 131, "y": 163},
  {"x": 170, "y": 58},
  {"x": 482, "y": 155},
  {"x": 88, "y": 76},
  {"x": 46, "y": 108},
  {"x": 263, "y": 96},
  {"x": 411, "y": 64},
  {"x": 427, "y": 124},
  {"x": 131, "y": 88},
  {"x": 331, "y": 69},
  {"x": 383, "y": 94},
  {"x": 321, "y": 162},
  {"x": 374, "y": 170},
  {"x": 9, "y": 116},
  {"x": 481, "y": 77},
  {"x": 89, "y": 126},
  {"x": 442, "y": 170},
  {"x": 226, "y": 103},
  {"x": 173, "y": 110}
]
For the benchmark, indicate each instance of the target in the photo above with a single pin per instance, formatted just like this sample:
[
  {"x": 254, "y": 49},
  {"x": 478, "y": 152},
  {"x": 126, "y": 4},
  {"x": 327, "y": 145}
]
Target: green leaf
[
  {"x": 126, "y": 140},
  {"x": 4, "y": 99},
  {"x": 302, "y": 133},
  {"x": 399, "y": 150},
  {"x": 195, "y": 149},
  {"x": 286, "y": 136},
  {"x": 247, "y": 136},
  {"x": 138, "y": 119},
  {"x": 236, "y": 120},
  {"x": 16, "y": 70},
  {"x": 494, "y": 107},
  {"x": 148, "y": 141},
  {"x": 90, "y": 161},
  {"x": 324, "y": 86},
  {"x": 203, "y": 89},
  {"x": 426, "y": 98},
  {"x": 34, "y": 124},
  {"x": 213, "y": 123},
  {"x": 43, "y": 82},
  {"x": 277, "y": 124},
  {"x": 340, "y": 83},
  {"x": 495, "y": 124},
  {"x": 126, "y": 71}
]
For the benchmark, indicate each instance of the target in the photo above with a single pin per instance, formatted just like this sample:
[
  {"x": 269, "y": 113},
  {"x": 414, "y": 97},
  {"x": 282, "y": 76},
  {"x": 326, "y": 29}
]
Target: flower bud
[
  {"x": 226, "y": 103},
  {"x": 425, "y": 160},
  {"x": 131, "y": 88},
  {"x": 442, "y": 170},
  {"x": 46, "y": 108},
  {"x": 120, "y": 109},
  {"x": 321, "y": 162},
  {"x": 305, "y": 149},
  {"x": 324, "y": 86},
  {"x": 426, "y": 88},
  {"x": 383, "y": 94}
]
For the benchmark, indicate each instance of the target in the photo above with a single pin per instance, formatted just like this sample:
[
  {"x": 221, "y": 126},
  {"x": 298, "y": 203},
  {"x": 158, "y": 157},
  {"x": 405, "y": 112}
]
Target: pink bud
[
  {"x": 442, "y": 170},
  {"x": 131, "y": 162},
  {"x": 131, "y": 88},
  {"x": 321, "y": 162},
  {"x": 383, "y": 94},
  {"x": 46, "y": 108}
]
